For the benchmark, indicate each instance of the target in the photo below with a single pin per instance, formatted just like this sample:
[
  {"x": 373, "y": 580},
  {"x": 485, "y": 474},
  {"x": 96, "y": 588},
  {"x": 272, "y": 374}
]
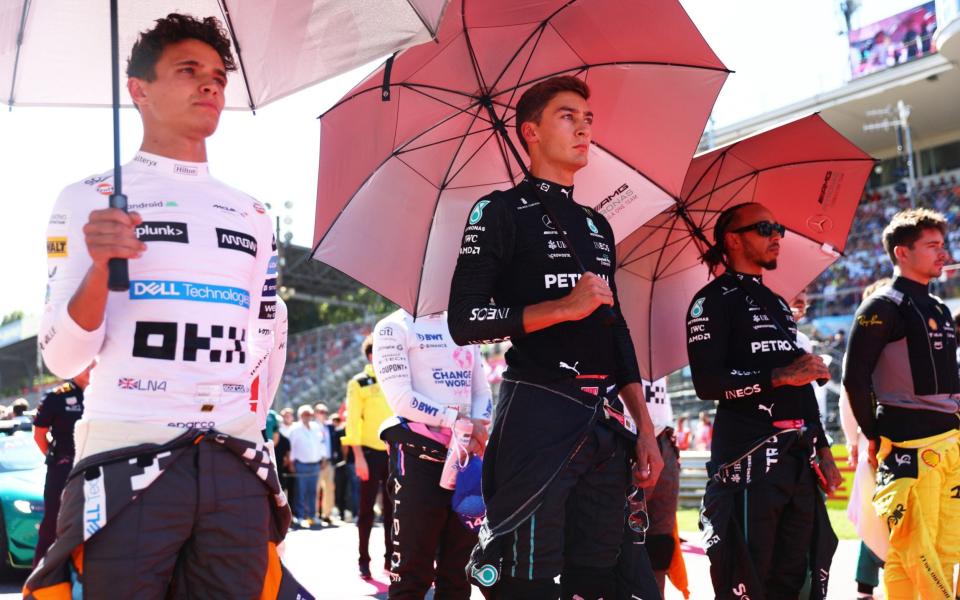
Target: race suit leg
[
  {"x": 425, "y": 528},
  {"x": 918, "y": 495},
  {"x": 662, "y": 507},
  {"x": 56, "y": 478},
  {"x": 579, "y": 526},
  {"x": 375, "y": 483},
  {"x": 135, "y": 554},
  {"x": 456, "y": 542},
  {"x": 777, "y": 516},
  {"x": 226, "y": 556},
  {"x": 419, "y": 512},
  {"x": 596, "y": 504}
]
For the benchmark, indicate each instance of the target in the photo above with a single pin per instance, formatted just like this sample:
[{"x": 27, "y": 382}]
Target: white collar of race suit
[{"x": 180, "y": 169}]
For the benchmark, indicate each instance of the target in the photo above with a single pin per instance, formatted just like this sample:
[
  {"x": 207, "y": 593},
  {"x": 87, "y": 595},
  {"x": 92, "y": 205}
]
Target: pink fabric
[
  {"x": 397, "y": 177},
  {"x": 810, "y": 177}
]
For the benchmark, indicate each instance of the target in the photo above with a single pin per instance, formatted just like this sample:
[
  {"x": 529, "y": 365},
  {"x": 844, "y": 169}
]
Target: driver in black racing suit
[
  {"x": 742, "y": 359},
  {"x": 556, "y": 472}
]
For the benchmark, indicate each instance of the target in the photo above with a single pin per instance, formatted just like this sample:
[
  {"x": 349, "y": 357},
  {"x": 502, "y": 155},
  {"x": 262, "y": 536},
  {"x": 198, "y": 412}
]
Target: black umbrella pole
[{"x": 118, "y": 279}]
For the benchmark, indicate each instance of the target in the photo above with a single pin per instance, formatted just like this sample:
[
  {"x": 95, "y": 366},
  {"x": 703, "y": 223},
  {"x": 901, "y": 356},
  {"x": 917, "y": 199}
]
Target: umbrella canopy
[
  {"x": 808, "y": 175},
  {"x": 406, "y": 154},
  {"x": 56, "y": 53}
]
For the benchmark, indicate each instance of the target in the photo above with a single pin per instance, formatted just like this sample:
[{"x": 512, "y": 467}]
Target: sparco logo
[
  {"x": 235, "y": 240},
  {"x": 163, "y": 231}
]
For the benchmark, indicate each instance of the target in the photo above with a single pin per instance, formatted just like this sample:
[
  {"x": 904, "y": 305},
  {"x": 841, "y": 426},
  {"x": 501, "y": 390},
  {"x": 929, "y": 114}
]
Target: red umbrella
[
  {"x": 808, "y": 175},
  {"x": 406, "y": 154}
]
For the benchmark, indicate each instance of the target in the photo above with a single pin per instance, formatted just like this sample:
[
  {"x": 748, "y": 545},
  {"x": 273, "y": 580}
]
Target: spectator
[
  {"x": 332, "y": 447},
  {"x": 703, "y": 438},
  {"x": 684, "y": 434},
  {"x": 307, "y": 451}
]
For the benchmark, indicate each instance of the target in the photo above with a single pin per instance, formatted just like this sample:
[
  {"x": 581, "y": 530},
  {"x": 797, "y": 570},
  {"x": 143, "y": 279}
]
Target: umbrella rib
[
  {"x": 630, "y": 258},
  {"x": 471, "y": 157},
  {"x": 470, "y": 51},
  {"x": 788, "y": 164},
  {"x": 16, "y": 60},
  {"x": 433, "y": 218},
  {"x": 616, "y": 63},
  {"x": 476, "y": 185},
  {"x": 720, "y": 155},
  {"x": 423, "y": 21},
  {"x": 443, "y": 141},
  {"x": 236, "y": 44},
  {"x": 560, "y": 35},
  {"x": 412, "y": 168},
  {"x": 523, "y": 71},
  {"x": 723, "y": 160}
]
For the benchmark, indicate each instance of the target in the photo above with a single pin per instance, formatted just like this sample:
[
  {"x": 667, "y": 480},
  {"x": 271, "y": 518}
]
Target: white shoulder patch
[{"x": 890, "y": 294}]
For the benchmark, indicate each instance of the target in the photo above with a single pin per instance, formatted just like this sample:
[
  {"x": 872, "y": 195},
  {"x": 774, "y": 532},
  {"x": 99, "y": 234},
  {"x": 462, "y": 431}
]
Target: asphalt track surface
[{"x": 325, "y": 562}]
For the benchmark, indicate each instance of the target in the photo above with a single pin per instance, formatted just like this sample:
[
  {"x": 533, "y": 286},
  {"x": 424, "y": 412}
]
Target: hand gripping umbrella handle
[{"x": 118, "y": 279}]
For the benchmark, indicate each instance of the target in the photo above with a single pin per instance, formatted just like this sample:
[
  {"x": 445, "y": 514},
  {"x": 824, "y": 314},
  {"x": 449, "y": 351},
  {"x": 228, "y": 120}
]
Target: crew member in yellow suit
[{"x": 367, "y": 409}]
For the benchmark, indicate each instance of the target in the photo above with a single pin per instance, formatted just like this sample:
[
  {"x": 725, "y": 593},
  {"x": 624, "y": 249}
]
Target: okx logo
[
  {"x": 185, "y": 290},
  {"x": 168, "y": 341}
]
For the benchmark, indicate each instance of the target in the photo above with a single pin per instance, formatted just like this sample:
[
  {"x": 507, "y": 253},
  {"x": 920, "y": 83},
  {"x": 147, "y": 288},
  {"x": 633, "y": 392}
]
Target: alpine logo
[
  {"x": 163, "y": 231},
  {"x": 235, "y": 240}
]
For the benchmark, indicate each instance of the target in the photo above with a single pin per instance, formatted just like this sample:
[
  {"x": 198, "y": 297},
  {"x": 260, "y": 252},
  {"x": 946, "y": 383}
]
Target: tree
[{"x": 11, "y": 317}]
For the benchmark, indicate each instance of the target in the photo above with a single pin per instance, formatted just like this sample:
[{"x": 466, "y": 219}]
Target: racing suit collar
[
  {"x": 758, "y": 279},
  {"x": 911, "y": 288},
  {"x": 551, "y": 189},
  {"x": 162, "y": 165}
]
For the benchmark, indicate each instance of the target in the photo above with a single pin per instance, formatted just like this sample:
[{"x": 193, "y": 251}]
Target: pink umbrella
[
  {"x": 810, "y": 177},
  {"x": 406, "y": 154}
]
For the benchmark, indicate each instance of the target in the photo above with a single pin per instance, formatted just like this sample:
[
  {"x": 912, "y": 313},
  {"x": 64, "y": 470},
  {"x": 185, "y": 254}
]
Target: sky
[{"x": 781, "y": 51}]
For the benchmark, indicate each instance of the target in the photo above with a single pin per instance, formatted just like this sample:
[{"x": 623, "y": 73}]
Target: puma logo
[
  {"x": 564, "y": 365},
  {"x": 768, "y": 409}
]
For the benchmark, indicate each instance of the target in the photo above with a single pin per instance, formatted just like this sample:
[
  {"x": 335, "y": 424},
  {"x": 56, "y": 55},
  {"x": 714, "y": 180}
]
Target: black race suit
[
  {"x": 59, "y": 411},
  {"x": 733, "y": 348},
  {"x": 902, "y": 352},
  {"x": 536, "y": 481}
]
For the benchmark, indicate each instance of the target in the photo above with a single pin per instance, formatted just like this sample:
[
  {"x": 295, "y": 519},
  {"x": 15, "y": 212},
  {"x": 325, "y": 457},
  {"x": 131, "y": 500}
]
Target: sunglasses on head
[{"x": 763, "y": 228}]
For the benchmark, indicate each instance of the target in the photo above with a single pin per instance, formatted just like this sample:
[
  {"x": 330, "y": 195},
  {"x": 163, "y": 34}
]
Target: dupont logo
[
  {"x": 235, "y": 240},
  {"x": 163, "y": 231},
  {"x": 185, "y": 290}
]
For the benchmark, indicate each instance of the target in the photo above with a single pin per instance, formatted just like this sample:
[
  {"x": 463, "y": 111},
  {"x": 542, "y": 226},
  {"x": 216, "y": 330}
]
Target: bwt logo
[
  {"x": 424, "y": 407},
  {"x": 430, "y": 337}
]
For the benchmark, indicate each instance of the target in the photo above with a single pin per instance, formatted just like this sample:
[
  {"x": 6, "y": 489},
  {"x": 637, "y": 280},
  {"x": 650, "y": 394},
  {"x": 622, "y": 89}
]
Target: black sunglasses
[{"x": 764, "y": 228}]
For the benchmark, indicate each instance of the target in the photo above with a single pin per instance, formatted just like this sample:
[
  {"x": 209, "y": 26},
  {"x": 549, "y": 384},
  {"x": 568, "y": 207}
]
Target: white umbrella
[{"x": 57, "y": 52}]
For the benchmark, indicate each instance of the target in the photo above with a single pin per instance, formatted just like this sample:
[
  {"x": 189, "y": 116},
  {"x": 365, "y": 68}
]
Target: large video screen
[{"x": 893, "y": 41}]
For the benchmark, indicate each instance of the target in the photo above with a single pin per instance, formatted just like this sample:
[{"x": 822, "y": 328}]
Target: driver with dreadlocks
[{"x": 765, "y": 524}]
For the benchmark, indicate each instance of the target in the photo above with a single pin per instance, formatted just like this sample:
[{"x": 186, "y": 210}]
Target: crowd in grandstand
[{"x": 839, "y": 287}]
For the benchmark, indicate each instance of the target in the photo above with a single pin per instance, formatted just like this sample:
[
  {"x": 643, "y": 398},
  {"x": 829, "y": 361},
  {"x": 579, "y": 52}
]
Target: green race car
[{"x": 22, "y": 474}]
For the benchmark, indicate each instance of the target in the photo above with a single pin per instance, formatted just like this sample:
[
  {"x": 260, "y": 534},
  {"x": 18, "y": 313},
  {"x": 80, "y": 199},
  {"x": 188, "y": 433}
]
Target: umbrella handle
[{"x": 118, "y": 279}]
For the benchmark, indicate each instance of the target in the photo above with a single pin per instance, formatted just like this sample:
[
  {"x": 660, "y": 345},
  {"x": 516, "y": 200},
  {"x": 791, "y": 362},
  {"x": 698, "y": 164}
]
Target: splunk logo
[{"x": 185, "y": 290}]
